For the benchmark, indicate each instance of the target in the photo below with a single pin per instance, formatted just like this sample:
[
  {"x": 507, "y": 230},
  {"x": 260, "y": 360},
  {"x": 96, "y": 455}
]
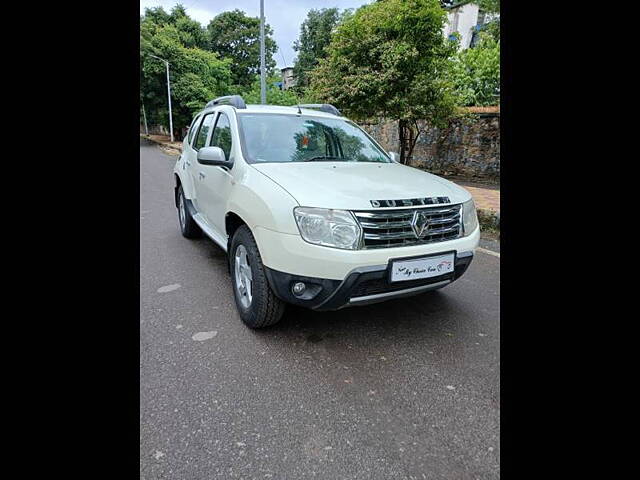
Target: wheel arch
[
  {"x": 178, "y": 183},
  {"x": 233, "y": 221},
  {"x": 182, "y": 179}
]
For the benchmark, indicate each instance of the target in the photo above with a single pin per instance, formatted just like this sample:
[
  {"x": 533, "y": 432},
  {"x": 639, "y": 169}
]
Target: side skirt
[{"x": 219, "y": 239}]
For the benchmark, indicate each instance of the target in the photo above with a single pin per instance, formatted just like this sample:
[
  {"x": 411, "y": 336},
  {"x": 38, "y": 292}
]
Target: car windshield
[{"x": 299, "y": 138}]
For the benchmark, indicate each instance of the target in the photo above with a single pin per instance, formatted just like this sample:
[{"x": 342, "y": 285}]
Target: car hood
[{"x": 352, "y": 185}]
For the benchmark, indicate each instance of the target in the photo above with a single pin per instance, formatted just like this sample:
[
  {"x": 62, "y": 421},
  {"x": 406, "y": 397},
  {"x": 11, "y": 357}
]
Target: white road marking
[
  {"x": 450, "y": 387},
  {"x": 158, "y": 455},
  {"x": 169, "y": 288},
  {"x": 202, "y": 336},
  {"x": 489, "y": 252}
]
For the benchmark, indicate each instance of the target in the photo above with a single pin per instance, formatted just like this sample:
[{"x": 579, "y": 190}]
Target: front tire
[
  {"x": 188, "y": 226},
  {"x": 257, "y": 305}
]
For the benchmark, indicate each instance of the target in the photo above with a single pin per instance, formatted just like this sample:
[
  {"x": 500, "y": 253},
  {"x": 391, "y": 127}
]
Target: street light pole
[
  {"x": 263, "y": 84},
  {"x": 168, "y": 95},
  {"x": 144, "y": 114}
]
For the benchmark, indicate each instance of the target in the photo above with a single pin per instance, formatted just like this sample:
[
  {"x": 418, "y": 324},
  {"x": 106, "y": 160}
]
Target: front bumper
[
  {"x": 290, "y": 253},
  {"x": 363, "y": 285}
]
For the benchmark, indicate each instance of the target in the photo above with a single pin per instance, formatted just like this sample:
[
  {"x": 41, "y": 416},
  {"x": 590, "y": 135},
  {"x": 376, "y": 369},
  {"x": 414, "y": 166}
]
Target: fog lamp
[{"x": 298, "y": 288}]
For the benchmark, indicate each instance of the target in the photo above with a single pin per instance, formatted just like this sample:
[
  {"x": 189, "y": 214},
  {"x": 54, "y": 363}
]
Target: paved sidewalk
[{"x": 485, "y": 198}]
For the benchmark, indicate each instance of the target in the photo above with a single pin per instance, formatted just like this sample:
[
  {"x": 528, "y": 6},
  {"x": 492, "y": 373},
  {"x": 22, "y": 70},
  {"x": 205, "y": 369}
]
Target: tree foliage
[
  {"x": 191, "y": 33},
  {"x": 275, "y": 96},
  {"x": 315, "y": 36},
  {"x": 492, "y": 26},
  {"x": 476, "y": 73},
  {"x": 489, "y": 6},
  {"x": 196, "y": 75},
  {"x": 236, "y": 36},
  {"x": 390, "y": 59}
]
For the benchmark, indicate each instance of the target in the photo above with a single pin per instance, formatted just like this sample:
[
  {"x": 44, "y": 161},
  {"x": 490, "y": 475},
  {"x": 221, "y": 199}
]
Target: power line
[{"x": 282, "y": 55}]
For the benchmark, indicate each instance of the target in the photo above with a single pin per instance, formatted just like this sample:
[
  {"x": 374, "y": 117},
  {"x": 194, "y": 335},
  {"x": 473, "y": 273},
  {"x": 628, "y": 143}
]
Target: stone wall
[{"x": 469, "y": 147}]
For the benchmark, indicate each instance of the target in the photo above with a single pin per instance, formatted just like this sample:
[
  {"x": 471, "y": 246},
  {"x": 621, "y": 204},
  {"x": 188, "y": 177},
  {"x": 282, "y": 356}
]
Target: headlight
[
  {"x": 469, "y": 217},
  {"x": 331, "y": 228}
]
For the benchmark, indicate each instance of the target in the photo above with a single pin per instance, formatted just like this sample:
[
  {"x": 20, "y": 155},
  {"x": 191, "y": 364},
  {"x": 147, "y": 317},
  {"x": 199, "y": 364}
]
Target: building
[
  {"x": 288, "y": 80},
  {"x": 465, "y": 18}
]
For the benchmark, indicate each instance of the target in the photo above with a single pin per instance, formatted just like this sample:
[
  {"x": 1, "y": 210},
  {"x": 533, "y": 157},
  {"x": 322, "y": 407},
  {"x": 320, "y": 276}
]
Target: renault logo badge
[{"x": 419, "y": 224}]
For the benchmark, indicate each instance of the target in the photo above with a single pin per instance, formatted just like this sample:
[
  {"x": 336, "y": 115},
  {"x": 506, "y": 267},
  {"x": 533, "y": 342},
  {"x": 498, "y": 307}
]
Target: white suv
[{"x": 313, "y": 212}]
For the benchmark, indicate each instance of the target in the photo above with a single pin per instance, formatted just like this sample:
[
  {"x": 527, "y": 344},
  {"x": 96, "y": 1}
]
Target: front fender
[{"x": 261, "y": 202}]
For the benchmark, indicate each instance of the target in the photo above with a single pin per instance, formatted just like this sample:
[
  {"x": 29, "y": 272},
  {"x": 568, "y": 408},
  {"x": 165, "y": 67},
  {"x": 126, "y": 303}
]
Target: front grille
[
  {"x": 392, "y": 228},
  {"x": 381, "y": 285}
]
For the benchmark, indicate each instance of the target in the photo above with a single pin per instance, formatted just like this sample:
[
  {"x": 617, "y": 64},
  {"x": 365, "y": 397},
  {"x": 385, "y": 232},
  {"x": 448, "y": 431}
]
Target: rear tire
[
  {"x": 188, "y": 226},
  {"x": 257, "y": 305}
]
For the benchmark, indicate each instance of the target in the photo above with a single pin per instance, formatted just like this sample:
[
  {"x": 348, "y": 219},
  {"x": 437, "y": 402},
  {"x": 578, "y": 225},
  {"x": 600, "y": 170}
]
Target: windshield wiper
[{"x": 323, "y": 159}]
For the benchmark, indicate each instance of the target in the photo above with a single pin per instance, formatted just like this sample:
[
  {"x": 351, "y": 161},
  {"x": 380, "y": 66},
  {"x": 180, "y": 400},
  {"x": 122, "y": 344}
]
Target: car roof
[{"x": 280, "y": 109}]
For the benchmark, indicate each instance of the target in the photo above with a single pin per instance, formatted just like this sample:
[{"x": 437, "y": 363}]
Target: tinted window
[
  {"x": 293, "y": 138},
  {"x": 192, "y": 129},
  {"x": 204, "y": 131},
  {"x": 222, "y": 135}
]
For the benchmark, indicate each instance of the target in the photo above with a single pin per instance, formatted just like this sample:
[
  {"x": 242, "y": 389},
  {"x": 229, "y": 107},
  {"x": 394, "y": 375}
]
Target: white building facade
[
  {"x": 464, "y": 18},
  {"x": 288, "y": 80}
]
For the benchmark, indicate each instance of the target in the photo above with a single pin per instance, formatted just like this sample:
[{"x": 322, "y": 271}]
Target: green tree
[
  {"x": 236, "y": 36},
  {"x": 476, "y": 73},
  {"x": 390, "y": 59},
  {"x": 491, "y": 8},
  {"x": 156, "y": 15},
  {"x": 275, "y": 96},
  {"x": 192, "y": 34},
  {"x": 315, "y": 36},
  {"x": 196, "y": 75}
]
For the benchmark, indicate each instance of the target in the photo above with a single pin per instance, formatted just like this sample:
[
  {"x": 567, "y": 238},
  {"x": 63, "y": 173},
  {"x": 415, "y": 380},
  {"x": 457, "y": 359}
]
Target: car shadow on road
[
  {"x": 424, "y": 318},
  {"x": 436, "y": 317}
]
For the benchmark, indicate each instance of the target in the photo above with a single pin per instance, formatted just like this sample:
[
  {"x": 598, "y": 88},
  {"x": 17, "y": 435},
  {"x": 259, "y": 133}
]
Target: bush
[{"x": 476, "y": 73}]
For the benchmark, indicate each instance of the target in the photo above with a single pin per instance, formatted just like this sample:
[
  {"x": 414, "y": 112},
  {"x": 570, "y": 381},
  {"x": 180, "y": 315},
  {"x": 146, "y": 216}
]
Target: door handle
[
  {"x": 188, "y": 163},
  {"x": 201, "y": 175}
]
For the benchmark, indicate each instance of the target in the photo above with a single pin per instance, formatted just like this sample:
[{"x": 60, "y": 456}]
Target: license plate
[{"x": 426, "y": 267}]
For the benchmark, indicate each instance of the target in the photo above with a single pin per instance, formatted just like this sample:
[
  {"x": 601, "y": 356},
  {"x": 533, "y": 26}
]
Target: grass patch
[{"x": 489, "y": 222}]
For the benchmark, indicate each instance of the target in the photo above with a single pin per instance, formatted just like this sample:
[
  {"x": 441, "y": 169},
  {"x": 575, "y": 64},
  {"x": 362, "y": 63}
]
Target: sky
[{"x": 284, "y": 16}]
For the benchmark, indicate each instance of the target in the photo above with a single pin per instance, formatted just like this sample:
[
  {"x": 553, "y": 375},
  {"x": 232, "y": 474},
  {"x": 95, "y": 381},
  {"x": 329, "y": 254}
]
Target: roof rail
[
  {"x": 323, "y": 107},
  {"x": 234, "y": 100}
]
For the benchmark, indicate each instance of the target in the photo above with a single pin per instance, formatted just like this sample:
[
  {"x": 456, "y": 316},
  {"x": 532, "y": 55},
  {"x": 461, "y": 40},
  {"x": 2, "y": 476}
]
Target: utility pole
[
  {"x": 168, "y": 95},
  {"x": 263, "y": 82}
]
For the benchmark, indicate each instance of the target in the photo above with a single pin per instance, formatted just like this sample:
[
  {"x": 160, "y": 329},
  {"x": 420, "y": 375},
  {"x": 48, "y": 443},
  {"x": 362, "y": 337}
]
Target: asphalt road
[{"x": 407, "y": 389}]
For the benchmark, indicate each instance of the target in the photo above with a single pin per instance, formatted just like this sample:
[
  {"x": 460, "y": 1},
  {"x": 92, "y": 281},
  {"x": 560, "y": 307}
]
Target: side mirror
[
  {"x": 395, "y": 157},
  {"x": 212, "y": 156}
]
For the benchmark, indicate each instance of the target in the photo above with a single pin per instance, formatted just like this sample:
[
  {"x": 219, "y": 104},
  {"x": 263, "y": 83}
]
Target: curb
[{"x": 166, "y": 146}]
